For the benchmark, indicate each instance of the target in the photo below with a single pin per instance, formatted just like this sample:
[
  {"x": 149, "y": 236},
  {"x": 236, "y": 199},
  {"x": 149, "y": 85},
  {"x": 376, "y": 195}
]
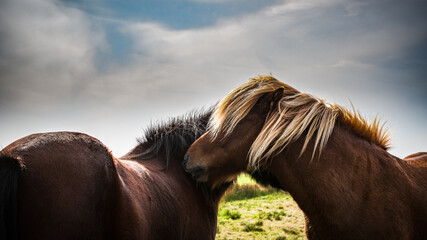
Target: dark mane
[{"x": 174, "y": 137}]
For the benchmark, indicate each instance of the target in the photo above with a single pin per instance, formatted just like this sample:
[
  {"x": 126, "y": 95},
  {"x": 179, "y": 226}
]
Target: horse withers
[
  {"x": 417, "y": 159},
  {"x": 67, "y": 185},
  {"x": 332, "y": 161}
]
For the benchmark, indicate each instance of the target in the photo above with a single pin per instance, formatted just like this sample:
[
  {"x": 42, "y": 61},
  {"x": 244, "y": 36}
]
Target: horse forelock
[
  {"x": 239, "y": 102},
  {"x": 297, "y": 113}
]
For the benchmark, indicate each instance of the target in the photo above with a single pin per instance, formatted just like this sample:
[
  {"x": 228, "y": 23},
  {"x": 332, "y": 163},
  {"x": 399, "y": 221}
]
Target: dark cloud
[{"x": 70, "y": 65}]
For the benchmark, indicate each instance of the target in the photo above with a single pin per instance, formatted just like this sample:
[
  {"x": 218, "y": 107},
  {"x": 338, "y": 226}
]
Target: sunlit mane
[{"x": 296, "y": 113}]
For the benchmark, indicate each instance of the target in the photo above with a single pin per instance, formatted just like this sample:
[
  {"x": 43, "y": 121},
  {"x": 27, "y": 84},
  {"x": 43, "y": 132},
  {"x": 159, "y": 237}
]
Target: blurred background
[{"x": 111, "y": 68}]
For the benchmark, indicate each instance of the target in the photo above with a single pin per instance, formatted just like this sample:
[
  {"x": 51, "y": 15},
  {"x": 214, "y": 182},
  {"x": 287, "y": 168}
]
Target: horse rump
[{"x": 10, "y": 169}]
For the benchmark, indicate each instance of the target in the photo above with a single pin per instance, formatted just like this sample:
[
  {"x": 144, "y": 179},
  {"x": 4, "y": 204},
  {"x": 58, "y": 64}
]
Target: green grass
[
  {"x": 250, "y": 211},
  {"x": 230, "y": 214},
  {"x": 244, "y": 179}
]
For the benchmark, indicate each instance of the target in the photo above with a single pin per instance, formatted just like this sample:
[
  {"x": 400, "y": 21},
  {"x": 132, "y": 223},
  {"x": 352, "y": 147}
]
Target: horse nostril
[
  {"x": 196, "y": 172},
  {"x": 186, "y": 159}
]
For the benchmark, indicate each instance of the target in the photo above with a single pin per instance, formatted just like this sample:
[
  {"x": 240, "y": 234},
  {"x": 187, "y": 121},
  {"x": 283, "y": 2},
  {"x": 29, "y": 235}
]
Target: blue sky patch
[{"x": 171, "y": 13}]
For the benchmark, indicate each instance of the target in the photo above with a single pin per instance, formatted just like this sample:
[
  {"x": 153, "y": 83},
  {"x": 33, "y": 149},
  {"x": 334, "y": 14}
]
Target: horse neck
[
  {"x": 335, "y": 185},
  {"x": 175, "y": 187}
]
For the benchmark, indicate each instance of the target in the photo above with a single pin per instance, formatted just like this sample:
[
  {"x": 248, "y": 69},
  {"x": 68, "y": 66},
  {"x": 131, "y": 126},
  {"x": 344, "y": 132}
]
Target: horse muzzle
[{"x": 198, "y": 173}]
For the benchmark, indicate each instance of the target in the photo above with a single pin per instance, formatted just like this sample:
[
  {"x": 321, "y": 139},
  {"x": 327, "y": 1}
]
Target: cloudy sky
[{"x": 108, "y": 68}]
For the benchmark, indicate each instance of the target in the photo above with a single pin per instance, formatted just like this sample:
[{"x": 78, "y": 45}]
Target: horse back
[
  {"x": 67, "y": 188},
  {"x": 417, "y": 159}
]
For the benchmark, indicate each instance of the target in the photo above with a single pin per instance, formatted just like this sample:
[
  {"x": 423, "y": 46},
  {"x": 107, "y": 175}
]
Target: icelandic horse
[
  {"x": 331, "y": 160},
  {"x": 67, "y": 185}
]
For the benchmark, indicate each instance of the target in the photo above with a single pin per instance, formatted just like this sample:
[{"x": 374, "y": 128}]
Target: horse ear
[
  {"x": 277, "y": 95},
  {"x": 275, "y": 98},
  {"x": 269, "y": 100}
]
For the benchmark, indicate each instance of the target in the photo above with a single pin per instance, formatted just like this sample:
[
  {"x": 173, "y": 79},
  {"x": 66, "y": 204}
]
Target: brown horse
[
  {"x": 67, "y": 185},
  {"x": 333, "y": 163}
]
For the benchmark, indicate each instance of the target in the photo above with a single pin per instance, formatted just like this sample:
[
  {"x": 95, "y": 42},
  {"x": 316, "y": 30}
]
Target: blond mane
[{"x": 296, "y": 113}]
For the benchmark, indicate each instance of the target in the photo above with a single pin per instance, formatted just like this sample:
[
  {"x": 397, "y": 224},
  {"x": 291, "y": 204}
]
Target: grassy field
[{"x": 250, "y": 211}]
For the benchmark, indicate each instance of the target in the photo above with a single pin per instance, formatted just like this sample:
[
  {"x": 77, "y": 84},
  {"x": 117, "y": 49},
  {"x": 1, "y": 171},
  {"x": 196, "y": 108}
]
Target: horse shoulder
[{"x": 148, "y": 206}]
